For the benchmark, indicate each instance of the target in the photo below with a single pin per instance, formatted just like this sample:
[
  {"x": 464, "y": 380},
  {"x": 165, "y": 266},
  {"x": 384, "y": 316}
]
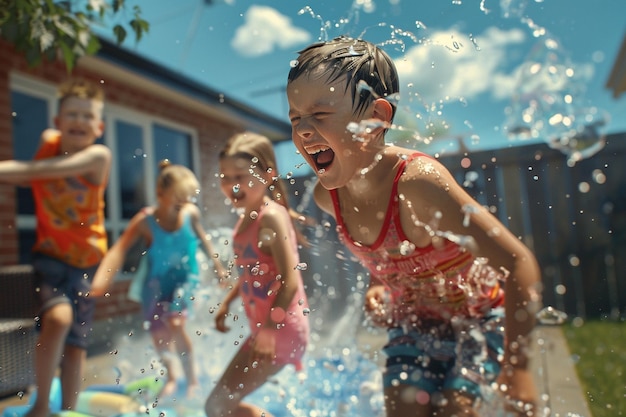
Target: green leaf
[
  {"x": 93, "y": 46},
  {"x": 68, "y": 56},
  {"x": 117, "y": 5},
  {"x": 33, "y": 56},
  {"x": 139, "y": 26},
  {"x": 40, "y": 28},
  {"x": 120, "y": 33}
]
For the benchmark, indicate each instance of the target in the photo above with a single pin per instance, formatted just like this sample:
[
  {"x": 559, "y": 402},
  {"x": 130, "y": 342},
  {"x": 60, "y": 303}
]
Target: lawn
[{"x": 599, "y": 350}]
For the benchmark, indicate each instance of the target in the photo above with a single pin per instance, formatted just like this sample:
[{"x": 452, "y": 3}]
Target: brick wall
[{"x": 8, "y": 235}]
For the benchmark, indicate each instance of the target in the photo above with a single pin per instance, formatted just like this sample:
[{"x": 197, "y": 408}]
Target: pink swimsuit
[
  {"x": 257, "y": 273},
  {"x": 426, "y": 284}
]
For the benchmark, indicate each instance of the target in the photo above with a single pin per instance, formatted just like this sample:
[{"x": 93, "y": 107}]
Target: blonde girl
[{"x": 172, "y": 232}]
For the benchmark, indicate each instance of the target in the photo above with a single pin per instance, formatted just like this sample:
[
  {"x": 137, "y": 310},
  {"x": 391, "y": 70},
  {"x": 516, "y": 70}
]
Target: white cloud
[
  {"x": 265, "y": 29},
  {"x": 451, "y": 66}
]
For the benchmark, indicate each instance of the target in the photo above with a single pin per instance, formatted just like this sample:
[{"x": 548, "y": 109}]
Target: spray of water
[{"x": 547, "y": 103}]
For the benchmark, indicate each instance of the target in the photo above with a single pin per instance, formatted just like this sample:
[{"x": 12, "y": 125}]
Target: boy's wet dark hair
[{"x": 370, "y": 72}]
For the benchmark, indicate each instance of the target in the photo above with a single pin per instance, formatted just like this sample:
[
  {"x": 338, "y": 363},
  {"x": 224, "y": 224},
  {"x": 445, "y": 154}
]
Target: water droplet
[{"x": 550, "y": 315}]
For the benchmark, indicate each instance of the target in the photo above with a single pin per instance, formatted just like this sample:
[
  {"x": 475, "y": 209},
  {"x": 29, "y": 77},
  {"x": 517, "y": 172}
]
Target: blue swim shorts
[
  {"x": 460, "y": 357},
  {"x": 59, "y": 283}
]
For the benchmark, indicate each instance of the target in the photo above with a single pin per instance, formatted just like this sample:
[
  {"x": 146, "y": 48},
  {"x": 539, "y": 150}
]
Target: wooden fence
[{"x": 572, "y": 217}]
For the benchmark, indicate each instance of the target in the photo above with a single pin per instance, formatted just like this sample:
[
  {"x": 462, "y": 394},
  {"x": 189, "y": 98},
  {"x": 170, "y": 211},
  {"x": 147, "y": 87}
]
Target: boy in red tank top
[{"x": 456, "y": 290}]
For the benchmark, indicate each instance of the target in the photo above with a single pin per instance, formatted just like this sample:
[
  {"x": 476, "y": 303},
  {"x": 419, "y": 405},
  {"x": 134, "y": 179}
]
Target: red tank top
[{"x": 429, "y": 283}]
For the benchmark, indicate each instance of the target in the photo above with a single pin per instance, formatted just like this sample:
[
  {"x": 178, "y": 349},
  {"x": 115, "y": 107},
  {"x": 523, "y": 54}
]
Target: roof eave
[{"x": 224, "y": 106}]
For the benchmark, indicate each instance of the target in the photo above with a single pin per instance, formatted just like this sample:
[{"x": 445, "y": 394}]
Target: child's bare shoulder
[
  {"x": 145, "y": 212},
  {"x": 193, "y": 211},
  {"x": 425, "y": 178},
  {"x": 140, "y": 219},
  {"x": 49, "y": 134},
  {"x": 424, "y": 167}
]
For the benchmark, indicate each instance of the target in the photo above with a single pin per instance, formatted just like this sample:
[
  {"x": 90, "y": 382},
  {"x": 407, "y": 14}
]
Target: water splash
[
  {"x": 549, "y": 96},
  {"x": 551, "y": 316},
  {"x": 324, "y": 25}
]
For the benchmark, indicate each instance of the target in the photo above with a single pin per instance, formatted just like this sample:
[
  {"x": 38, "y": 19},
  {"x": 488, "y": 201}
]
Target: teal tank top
[{"x": 172, "y": 256}]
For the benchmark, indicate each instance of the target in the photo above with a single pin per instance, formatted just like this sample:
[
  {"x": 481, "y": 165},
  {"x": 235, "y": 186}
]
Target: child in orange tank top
[{"x": 68, "y": 178}]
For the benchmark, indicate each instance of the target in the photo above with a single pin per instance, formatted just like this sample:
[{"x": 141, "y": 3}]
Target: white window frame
[{"x": 114, "y": 113}]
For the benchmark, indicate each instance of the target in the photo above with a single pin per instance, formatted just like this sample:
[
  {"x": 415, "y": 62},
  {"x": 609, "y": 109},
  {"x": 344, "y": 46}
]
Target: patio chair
[{"x": 17, "y": 328}]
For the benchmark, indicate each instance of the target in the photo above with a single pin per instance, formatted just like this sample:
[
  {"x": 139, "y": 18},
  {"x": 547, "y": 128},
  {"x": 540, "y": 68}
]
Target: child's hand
[
  {"x": 220, "y": 319},
  {"x": 223, "y": 276},
  {"x": 264, "y": 346},
  {"x": 518, "y": 387},
  {"x": 376, "y": 305},
  {"x": 97, "y": 292}
]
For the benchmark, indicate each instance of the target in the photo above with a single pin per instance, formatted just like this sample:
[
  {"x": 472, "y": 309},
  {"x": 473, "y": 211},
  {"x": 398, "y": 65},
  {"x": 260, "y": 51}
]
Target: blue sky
[{"x": 468, "y": 68}]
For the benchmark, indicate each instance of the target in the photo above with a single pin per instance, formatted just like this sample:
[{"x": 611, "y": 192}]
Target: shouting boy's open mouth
[{"x": 323, "y": 158}]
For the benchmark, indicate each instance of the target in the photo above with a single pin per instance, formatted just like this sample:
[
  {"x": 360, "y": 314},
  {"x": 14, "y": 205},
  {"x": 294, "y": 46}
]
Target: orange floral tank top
[{"x": 70, "y": 215}]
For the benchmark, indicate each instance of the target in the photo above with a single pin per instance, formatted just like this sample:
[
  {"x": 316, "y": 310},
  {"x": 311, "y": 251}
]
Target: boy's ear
[{"x": 382, "y": 110}]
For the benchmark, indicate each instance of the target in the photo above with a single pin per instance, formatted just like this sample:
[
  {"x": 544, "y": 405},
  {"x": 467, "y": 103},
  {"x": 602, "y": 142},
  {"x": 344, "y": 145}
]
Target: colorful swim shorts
[{"x": 459, "y": 357}]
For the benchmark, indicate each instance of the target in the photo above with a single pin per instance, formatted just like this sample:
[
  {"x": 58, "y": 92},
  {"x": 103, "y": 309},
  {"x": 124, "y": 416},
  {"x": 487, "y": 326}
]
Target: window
[
  {"x": 130, "y": 161},
  {"x": 138, "y": 142},
  {"x": 171, "y": 144},
  {"x": 30, "y": 118}
]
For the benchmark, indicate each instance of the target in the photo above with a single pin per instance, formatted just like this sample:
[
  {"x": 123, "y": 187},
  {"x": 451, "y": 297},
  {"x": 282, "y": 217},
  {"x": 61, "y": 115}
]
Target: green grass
[{"x": 599, "y": 348}]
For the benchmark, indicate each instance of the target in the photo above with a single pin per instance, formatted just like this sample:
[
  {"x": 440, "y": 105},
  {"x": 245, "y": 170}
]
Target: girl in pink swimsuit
[{"x": 269, "y": 280}]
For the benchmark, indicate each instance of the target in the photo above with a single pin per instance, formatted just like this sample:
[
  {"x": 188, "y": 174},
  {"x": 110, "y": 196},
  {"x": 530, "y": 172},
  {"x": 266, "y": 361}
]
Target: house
[{"x": 151, "y": 113}]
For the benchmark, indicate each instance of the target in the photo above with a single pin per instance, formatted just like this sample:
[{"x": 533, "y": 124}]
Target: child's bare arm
[
  {"x": 92, "y": 162},
  {"x": 440, "y": 203},
  {"x": 116, "y": 255},
  {"x": 275, "y": 237},
  {"x": 224, "y": 308},
  {"x": 207, "y": 245}
]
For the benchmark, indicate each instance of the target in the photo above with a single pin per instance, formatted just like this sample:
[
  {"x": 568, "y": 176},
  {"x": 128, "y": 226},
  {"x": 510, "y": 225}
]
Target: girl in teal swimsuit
[{"x": 172, "y": 231}]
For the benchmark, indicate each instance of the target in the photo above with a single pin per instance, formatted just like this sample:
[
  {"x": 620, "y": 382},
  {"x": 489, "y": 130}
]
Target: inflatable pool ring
[
  {"x": 99, "y": 400},
  {"x": 54, "y": 401},
  {"x": 147, "y": 387}
]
